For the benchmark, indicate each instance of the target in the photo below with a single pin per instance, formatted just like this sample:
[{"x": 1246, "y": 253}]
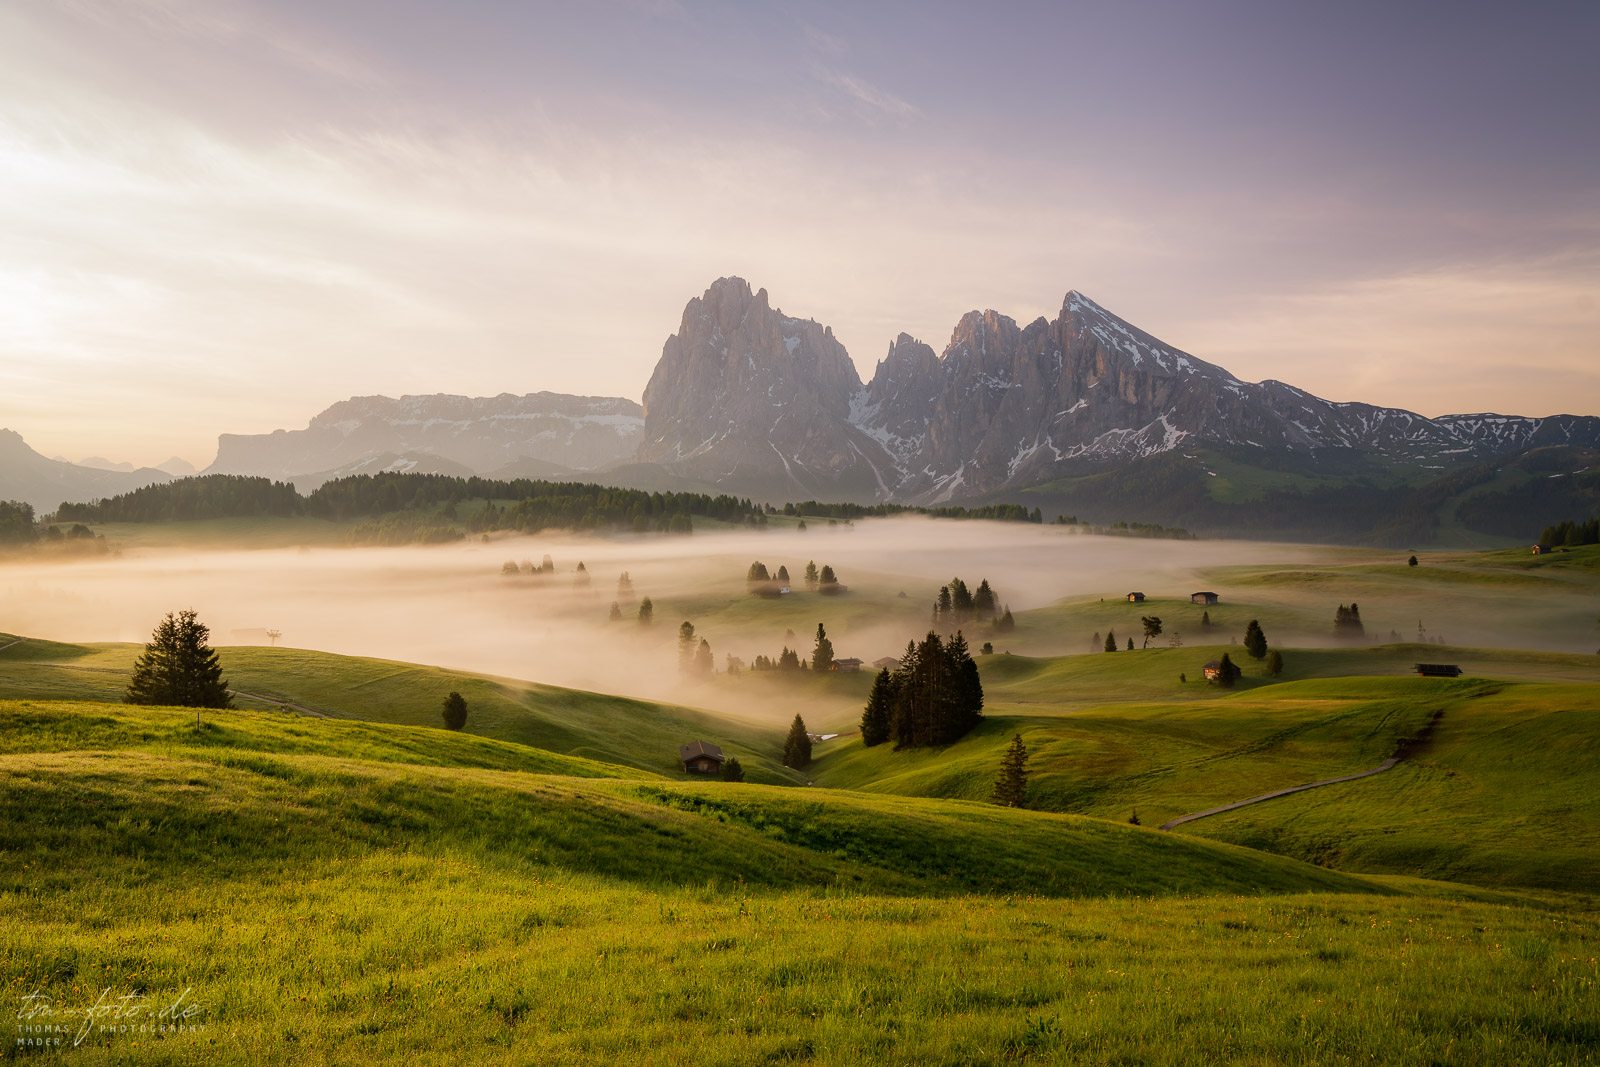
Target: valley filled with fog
[{"x": 451, "y": 605}]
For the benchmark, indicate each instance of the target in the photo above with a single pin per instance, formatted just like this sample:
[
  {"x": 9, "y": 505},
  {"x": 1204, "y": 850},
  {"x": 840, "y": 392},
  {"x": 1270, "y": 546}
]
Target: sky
[{"x": 225, "y": 215}]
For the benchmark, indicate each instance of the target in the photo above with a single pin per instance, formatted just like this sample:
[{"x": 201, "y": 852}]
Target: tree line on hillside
[
  {"x": 1154, "y": 530},
  {"x": 523, "y": 504},
  {"x": 934, "y": 696},
  {"x": 1571, "y": 534},
  {"x": 431, "y": 500},
  {"x": 209, "y": 496},
  {"x": 17, "y": 523},
  {"x": 993, "y": 512}
]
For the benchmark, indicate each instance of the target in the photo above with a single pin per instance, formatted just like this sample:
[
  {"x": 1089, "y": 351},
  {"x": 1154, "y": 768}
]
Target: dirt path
[
  {"x": 291, "y": 705},
  {"x": 1387, "y": 764},
  {"x": 1408, "y": 747}
]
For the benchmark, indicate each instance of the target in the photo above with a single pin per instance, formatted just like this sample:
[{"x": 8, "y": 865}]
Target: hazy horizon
[{"x": 224, "y": 216}]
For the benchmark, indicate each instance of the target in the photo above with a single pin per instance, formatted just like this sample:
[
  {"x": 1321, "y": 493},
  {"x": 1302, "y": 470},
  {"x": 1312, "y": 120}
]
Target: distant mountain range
[
  {"x": 43, "y": 482},
  {"x": 1083, "y": 413},
  {"x": 747, "y": 396}
]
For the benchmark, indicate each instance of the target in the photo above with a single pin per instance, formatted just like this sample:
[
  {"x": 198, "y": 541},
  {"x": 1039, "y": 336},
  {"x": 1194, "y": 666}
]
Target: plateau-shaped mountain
[{"x": 444, "y": 434}]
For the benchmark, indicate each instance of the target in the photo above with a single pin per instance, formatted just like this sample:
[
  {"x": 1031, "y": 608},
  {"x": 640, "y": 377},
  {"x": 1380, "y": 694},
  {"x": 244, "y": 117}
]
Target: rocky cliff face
[
  {"x": 755, "y": 400},
  {"x": 477, "y": 434},
  {"x": 745, "y": 396}
]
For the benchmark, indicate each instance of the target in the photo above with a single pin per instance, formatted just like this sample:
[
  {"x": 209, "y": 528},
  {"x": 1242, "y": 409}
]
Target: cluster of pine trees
[
  {"x": 934, "y": 696},
  {"x": 957, "y": 605},
  {"x": 1571, "y": 534},
  {"x": 694, "y": 654},
  {"x": 209, "y": 496},
  {"x": 1347, "y": 621},
  {"x": 789, "y": 660}
]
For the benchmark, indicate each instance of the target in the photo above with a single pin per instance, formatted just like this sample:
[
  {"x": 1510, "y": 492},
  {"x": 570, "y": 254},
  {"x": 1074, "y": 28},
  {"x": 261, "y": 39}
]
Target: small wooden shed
[
  {"x": 701, "y": 757},
  {"x": 1135, "y": 598},
  {"x": 1438, "y": 670},
  {"x": 1203, "y": 598}
]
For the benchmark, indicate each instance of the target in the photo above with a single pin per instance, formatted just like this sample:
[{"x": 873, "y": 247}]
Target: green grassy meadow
[
  {"x": 333, "y": 878},
  {"x": 328, "y": 900}
]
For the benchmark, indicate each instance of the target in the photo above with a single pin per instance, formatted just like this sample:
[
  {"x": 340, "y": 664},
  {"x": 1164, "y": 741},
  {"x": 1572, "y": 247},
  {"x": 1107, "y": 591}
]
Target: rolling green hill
[
  {"x": 1503, "y": 793},
  {"x": 331, "y": 892},
  {"x": 593, "y": 726}
]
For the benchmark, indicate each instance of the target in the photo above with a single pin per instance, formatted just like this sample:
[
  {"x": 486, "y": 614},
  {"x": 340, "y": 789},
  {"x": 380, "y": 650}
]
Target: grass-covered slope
[
  {"x": 246, "y": 787},
  {"x": 1504, "y": 792},
  {"x": 596, "y": 726},
  {"x": 334, "y": 892}
]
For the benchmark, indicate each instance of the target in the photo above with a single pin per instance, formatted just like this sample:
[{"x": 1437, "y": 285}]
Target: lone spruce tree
[
  {"x": 822, "y": 654},
  {"x": 797, "y": 746},
  {"x": 1011, "y": 786},
  {"x": 455, "y": 711},
  {"x": 1111, "y": 640},
  {"x": 179, "y": 668},
  {"x": 1255, "y": 642}
]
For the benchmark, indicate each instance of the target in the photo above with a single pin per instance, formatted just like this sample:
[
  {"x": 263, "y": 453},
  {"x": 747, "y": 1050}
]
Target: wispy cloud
[
  {"x": 872, "y": 101},
  {"x": 233, "y": 23}
]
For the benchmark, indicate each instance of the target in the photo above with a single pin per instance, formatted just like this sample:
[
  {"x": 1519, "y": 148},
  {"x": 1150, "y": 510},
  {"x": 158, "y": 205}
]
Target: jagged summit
[{"x": 1003, "y": 407}]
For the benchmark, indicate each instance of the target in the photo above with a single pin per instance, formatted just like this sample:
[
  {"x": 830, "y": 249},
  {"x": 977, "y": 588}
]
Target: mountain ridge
[{"x": 1005, "y": 407}]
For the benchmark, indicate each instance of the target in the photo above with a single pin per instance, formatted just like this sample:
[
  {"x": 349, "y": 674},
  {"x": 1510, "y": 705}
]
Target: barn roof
[{"x": 699, "y": 748}]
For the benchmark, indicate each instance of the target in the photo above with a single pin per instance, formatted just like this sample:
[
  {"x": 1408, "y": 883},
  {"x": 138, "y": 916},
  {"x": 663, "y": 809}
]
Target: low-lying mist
[{"x": 452, "y": 606}]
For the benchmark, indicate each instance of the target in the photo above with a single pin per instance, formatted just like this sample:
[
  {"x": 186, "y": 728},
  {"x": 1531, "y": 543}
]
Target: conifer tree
[
  {"x": 616, "y": 612},
  {"x": 1095, "y": 643},
  {"x": 783, "y": 575},
  {"x": 757, "y": 573},
  {"x": 1274, "y": 663},
  {"x": 822, "y": 652},
  {"x": 1227, "y": 672},
  {"x": 961, "y": 601},
  {"x": 1255, "y": 642},
  {"x": 1011, "y": 785},
  {"x": 624, "y": 587},
  {"x": 1111, "y": 640},
  {"x": 797, "y": 746},
  {"x": 704, "y": 664},
  {"x": 686, "y": 646},
  {"x": 983, "y": 601},
  {"x": 811, "y": 573},
  {"x": 179, "y": 668},
  {"x": 875, "y": 719},
  {"x": 788, "y": 659},
  {"x": 1006, "y": 623},
  {"x": 1130, "y": 644},
  {"x": 647, "y": 612},
  {"x": 827, "y": 577},
  {"x": 454, "y": 711},
  {"x": 1205, "y": 618},
  {"x": 733, "y": 770}
]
